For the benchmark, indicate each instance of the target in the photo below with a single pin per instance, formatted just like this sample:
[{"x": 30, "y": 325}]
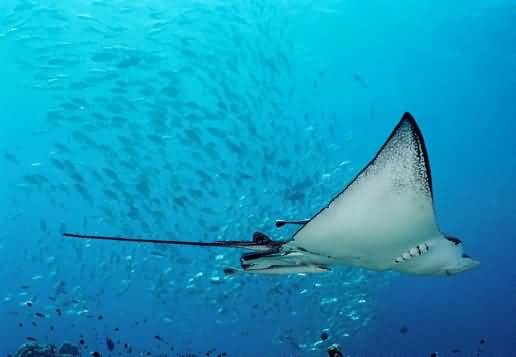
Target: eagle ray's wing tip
[{"x": 407, "y": 116}]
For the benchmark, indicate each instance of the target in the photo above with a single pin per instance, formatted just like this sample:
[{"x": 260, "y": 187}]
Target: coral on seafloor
[{"x": 33, "y": 349}]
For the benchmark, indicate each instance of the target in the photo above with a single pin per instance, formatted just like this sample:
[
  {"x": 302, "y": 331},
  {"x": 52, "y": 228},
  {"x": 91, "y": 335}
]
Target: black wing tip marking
[{"x": 408, "y": 118}]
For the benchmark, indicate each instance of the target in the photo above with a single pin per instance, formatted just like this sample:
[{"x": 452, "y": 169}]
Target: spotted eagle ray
[{"x": 384, "y": 219}]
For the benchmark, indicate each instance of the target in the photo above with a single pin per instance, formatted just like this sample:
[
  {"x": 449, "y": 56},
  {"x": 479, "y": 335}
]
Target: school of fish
[{"x": 169, "y": 121}]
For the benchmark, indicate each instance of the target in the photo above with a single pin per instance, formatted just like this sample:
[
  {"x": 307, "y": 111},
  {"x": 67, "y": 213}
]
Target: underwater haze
[{"x": 208, "y": 120}]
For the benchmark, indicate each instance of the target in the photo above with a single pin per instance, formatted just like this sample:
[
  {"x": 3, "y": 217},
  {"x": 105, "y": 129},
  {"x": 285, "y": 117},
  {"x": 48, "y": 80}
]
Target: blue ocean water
[{"x": 209, "y": 120}]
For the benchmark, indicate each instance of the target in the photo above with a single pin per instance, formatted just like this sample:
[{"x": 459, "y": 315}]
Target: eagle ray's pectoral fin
[{"x": 281, "y": 222}]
